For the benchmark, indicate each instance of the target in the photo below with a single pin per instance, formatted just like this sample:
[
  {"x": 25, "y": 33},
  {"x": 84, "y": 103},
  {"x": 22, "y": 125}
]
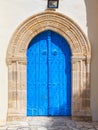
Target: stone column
[
  {"x": 76, "y": 89},
  {"x": 16, "y": 90},
  {"x": 81, "y": 87},
  {"x": 21, "y": 88},
  {"x": 88, "y": 88},
  {"x": 12, "y": 88}
]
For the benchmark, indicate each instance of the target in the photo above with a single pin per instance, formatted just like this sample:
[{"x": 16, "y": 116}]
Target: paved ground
[{"x": 51, "y": 123}]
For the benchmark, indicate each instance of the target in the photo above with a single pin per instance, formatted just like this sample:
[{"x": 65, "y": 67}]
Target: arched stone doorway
[{"x": 16, "y": 61}]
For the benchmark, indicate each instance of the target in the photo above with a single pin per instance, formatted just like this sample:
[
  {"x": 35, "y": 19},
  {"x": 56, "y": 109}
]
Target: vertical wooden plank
[
  {"x": 53, "y": 76},
  {"x": 68, "y": 78},
  {"x": 31, "y": 80},
  {"x": 63, "y": 78},
  {"x": 37, "y": 77},
  {"x": 43, "y": 96}
]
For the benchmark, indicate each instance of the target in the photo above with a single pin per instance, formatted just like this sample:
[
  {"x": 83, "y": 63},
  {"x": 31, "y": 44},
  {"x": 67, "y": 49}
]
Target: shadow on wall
[{"x": 92, "y": 24}]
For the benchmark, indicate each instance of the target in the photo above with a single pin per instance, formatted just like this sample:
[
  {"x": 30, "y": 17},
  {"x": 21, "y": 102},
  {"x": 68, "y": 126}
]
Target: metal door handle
[{"x": 54, "y": 52}]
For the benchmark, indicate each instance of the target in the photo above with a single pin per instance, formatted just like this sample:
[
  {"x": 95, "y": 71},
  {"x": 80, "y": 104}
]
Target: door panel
[
  {"x": 48, "y": 76},
  {"x": 37, "y": 103},
  {"x": 59, "y": 81}
]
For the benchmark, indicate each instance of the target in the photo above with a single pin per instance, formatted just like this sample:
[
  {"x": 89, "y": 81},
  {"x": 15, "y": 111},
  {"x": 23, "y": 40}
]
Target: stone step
[
  {"x": 50, "y": 123},
  {"x": 36, "y": 128}
]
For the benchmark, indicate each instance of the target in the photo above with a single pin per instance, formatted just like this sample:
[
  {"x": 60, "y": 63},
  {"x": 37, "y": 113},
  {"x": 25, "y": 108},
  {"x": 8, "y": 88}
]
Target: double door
[{"x": 48, "y": 76}]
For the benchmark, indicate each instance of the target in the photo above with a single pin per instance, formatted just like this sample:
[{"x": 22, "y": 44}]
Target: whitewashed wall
[
  {"x": 14, "y": 12},
  {"x": 92, "y": 25}
]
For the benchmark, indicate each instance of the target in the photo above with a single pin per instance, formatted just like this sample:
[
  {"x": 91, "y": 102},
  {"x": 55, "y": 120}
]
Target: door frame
[{"x": 16, "y": 61}]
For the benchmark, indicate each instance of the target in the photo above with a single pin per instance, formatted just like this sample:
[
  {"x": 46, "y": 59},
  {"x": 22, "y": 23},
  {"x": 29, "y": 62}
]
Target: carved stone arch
[{"x": 16, "y": 61}]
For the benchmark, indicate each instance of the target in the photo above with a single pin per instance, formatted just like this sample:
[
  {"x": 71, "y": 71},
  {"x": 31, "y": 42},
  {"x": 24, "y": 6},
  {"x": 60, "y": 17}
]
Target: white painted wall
[
  {"x": 14, "y": 12},
  {"x": 92, "y": 24}
]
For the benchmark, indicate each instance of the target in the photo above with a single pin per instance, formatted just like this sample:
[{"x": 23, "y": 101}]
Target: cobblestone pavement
[{"x": 51, "y": 123}]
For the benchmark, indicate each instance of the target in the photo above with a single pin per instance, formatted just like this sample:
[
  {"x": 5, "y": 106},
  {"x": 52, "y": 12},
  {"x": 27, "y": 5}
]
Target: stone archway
[{"x": 16, "y": 61}]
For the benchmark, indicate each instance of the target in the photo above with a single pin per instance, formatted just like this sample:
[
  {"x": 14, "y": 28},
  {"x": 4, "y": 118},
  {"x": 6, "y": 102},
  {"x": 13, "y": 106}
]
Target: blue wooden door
[{"x": 48, "y": 76}]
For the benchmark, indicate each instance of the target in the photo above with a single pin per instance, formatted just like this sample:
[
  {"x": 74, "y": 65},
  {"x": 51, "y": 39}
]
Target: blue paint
[{"x": 48, "y": 76}]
